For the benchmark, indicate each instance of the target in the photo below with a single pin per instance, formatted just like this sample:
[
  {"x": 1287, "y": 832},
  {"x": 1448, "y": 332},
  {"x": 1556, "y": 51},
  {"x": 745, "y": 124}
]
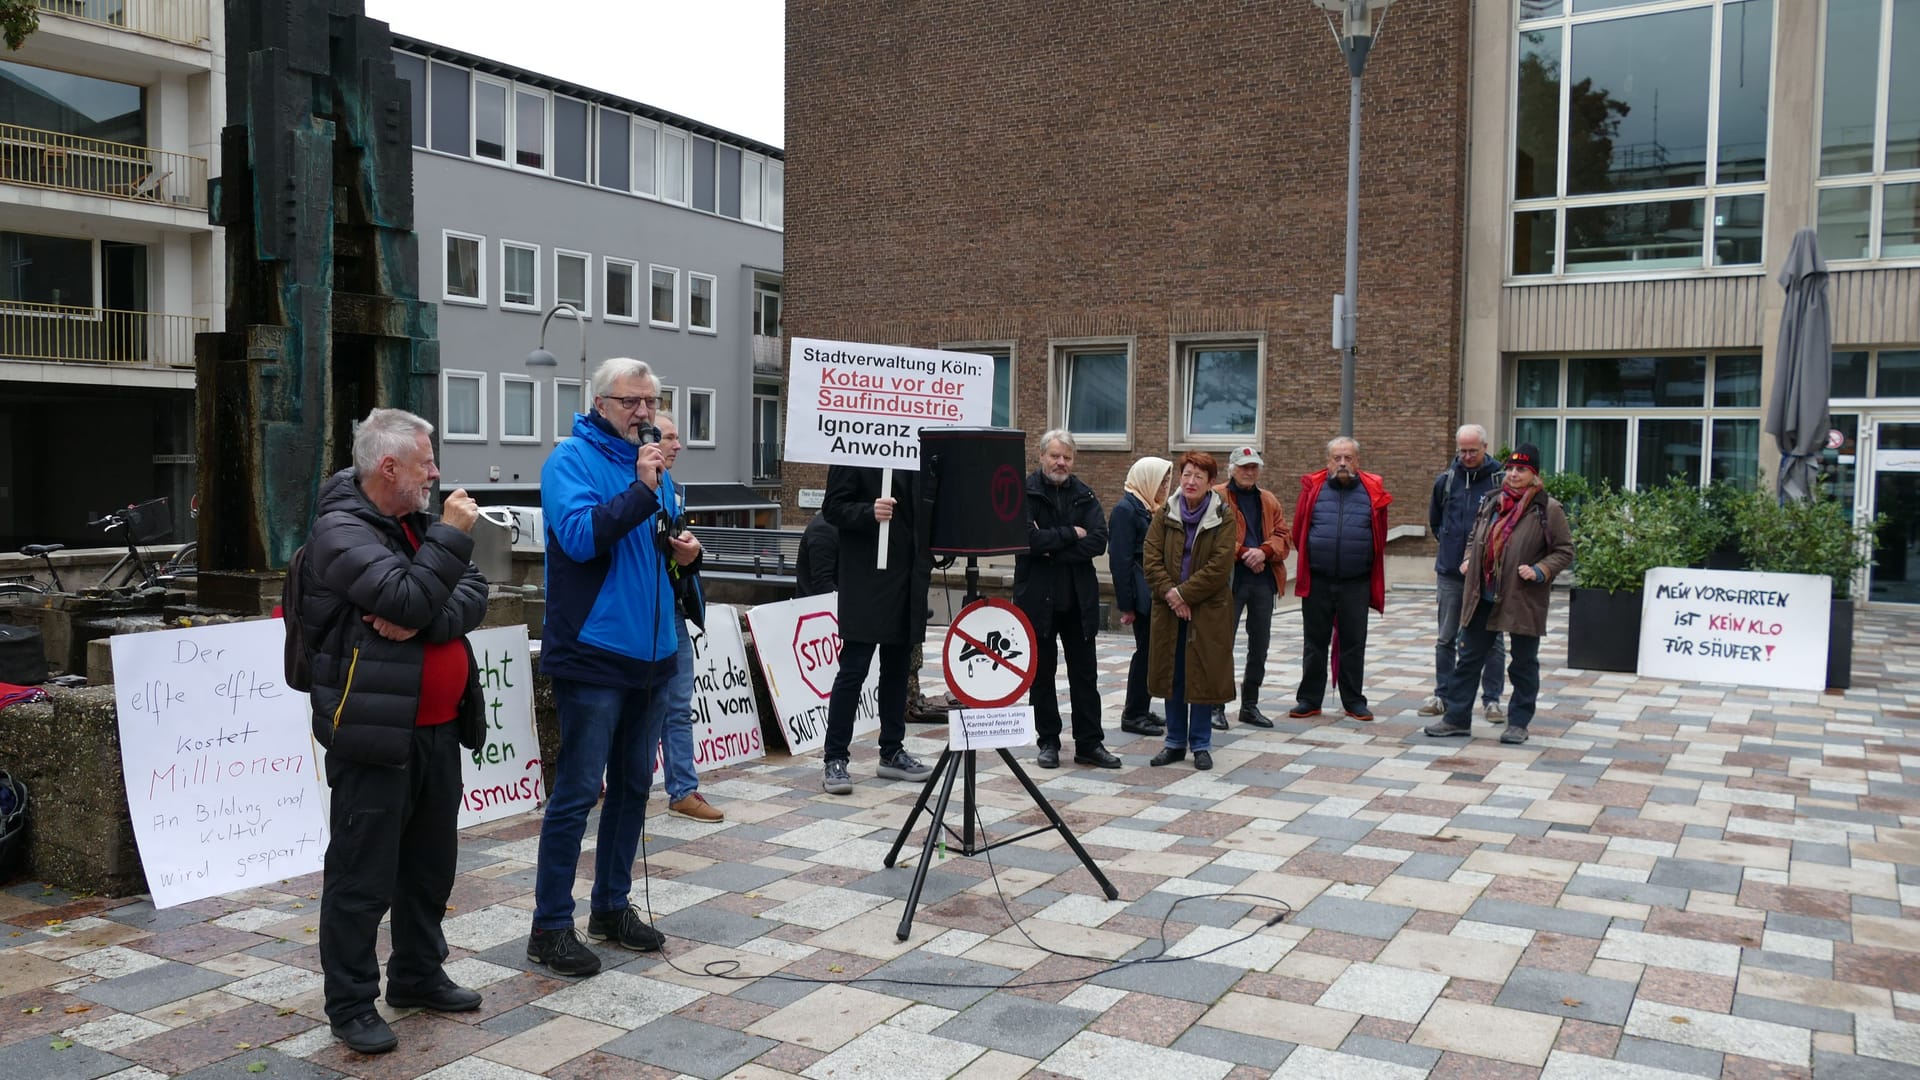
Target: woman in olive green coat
[{"x": 1189, "y": 559}]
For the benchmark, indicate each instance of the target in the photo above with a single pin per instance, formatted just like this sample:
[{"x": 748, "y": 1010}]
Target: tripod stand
[{"x": 952, "y": 765}]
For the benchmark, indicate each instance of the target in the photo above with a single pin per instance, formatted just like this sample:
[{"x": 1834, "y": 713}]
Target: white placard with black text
[
  {"x": 726, "y": 721},
  {"x": 799, "y": 646},
  {"x": 503, "y": 777},
  {"x": 852, "y": 404},
  {"x": 1728, "y": 626}
]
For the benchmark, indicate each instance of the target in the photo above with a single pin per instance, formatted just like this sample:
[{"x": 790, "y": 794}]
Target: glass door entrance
[{"x": 1894, "y": 490}]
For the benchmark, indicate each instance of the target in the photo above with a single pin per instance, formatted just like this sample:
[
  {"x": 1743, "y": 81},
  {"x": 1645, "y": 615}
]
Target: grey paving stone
[
  {"x": 1326, "y": 825},
  {"x": 1220, "y": 875},
  {"x": 734, "y": 877},
  {"x": 1361, "y": 917},
  {"x": 946, "y": 981},
  {"x": 1702, "y": 832},
  {"x": 1188, "y": 980},
  {"x": 1329, "y": 845},
  {"x": 277, "y": 1065},
  {"x": 1535, "y": 917},
  {"x": 1233, "y": 1046},
  {"x": 36, "y": 1058},
  {"x": 1778, "y": 961},
  {"x": 711, "y": 924},
  {"x": 514, "y": 1021},
  {"x": 1338, "y": 760},
  {"x": 780, "y": 993},
  {"x": 1907, "y": 874},
  {"x": 142, "y": 915},
  {"x": 1670, "y": 1056},
  {"x": 1542, "y": 990},
  {"x": 1016, "y": 1025},
  {"x": 899, "y": 881},
  {"x": 1027, "y": 858},
  {"x": 469, "y": 859},
  {"x": 1871, "y": 905},
  {"x": 690, "y": 1047},
  {"x": 267, "y": 950},
  {"x": 1197, "y": 910},
  {"x": 513, "y": 954},
  {"x": 1828, "y": 1066},
  {"x": 1426, "y": 864},
  {"x": 1696, "y": 874},
  {"x": 1823, "y": 854},
  {"x": 1809, "y": 926},
  {"x": 40, "y": 892},
  {"x": 1627, "y": 892},
  {"x": 1676, "y": 796},
  {"x": 152, "y": 986},
  {"x": 1858, "y": 817},
  {"x": 1420, "y": 1057},
  {"x": 1793, "y": 1014},
  {"x": 1518, "y": 826},
  {"x": 830, "y": 810}
]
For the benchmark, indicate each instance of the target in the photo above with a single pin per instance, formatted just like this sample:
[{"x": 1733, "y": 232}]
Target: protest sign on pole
[
  {"x": 726, "y": 722},
  {"x": 853, "y": 404},
  {"x": 798, "y": 642},
  {"x": 503, "y": 777},
  {"x": 222, "y": 775},
  {"x": 1752, "y": 629}
]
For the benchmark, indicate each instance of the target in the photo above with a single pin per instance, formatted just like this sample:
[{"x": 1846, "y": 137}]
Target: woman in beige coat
[
  {"x": 1520, "y": 543},
  {"x": 1190, "y": 551}
]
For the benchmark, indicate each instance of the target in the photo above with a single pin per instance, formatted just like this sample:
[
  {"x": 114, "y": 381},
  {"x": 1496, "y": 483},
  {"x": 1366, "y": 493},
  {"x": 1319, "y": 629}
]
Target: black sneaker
[
  {"x": 1144, "y": 724},
  {"x": 625, "y": 929},
  {"x": 902, "y": 766},
  {"x": 562, "y": 952},
  {"x": 366, "y": 1034}
]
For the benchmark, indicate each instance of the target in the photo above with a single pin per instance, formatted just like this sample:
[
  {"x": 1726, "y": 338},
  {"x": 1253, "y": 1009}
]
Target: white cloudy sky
[{"x": 721, "y": 62}]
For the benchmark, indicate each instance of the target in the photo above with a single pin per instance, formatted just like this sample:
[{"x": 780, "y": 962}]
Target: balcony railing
[
  {"x": 54, "y": 159},
  {"x": 62, "y": 332},
  {"x": 769, "y": 355},
  {"x": 183, "y": 21},
  {"x": 766, "y": 463}
]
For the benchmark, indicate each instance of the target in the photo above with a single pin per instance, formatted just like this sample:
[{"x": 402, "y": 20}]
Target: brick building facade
[{"x": 1140, "y": 180}]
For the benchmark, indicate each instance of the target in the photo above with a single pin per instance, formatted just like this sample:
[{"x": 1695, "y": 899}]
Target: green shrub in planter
[
  {"x": 1571, "y": 488},
  {"x": 1804, "y": 537},
  {"x": 1618, "y": 536},
  {"x": 1698, "y": 524}
]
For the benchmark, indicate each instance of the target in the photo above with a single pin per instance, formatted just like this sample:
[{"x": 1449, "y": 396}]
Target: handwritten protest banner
[
  {"x": 799, "y": 646},
  {"x": 503, "y": 777},
  {"x": 222, "y": 775},
  {"x": 1726, "y": 626},
  {"x": 726, "y": 722}
]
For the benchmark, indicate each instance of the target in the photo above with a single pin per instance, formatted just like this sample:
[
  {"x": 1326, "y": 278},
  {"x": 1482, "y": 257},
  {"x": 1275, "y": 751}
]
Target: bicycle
[
  {"x": 27, "y": 584},
  {"x": 142, "y": 523}
]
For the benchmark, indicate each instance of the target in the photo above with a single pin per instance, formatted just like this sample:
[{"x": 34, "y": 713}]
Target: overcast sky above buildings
[{"x": 722, "y": 62}]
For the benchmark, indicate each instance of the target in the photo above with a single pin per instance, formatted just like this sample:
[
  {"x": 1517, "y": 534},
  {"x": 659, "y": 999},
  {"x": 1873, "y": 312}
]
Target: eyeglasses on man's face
[{"x": 632, "y": 403}]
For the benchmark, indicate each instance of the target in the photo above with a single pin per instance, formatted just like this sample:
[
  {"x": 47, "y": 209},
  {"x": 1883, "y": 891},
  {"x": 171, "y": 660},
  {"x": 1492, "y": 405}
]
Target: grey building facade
[{"x": 664, "y": 233}]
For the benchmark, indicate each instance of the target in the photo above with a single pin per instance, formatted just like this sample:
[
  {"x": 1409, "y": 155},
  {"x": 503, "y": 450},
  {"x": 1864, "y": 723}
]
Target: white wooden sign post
[{"x": 852, "y": 404}]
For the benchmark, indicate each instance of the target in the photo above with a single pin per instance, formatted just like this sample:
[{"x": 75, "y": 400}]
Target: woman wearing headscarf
[
  {"x": 1519, "y": 544},
  {"x": 1146, "y": 493},
  {"x": 1189, "y": 558}
]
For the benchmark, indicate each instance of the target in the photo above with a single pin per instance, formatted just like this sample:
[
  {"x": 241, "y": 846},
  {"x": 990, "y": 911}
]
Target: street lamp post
[
  {"x": 540, "y": 357},
  {"x": 1359, "y": 24}
]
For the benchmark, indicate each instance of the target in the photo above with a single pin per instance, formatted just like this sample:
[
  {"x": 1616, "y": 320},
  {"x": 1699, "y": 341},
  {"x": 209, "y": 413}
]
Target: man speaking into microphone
[{"x": 610, "y": 645}]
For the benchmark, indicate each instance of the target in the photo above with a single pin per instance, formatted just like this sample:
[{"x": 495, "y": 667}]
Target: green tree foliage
[
  {"x": 1809, "y": 536},
  {"x": 18, "y": 18}
]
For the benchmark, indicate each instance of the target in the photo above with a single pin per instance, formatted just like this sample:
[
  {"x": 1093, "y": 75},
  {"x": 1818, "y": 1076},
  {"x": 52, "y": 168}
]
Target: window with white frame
[
  {"x": 1219, "y": 391},
  {"x": 697, "y": 426},
  {"x": 490, "y": 118},
  {"x": 530, "y": 129},
  {"x": 673, "y": 166},
  {"x": 413, "y": 70},
  {"x": 646, "y": 165},
  {"x": 1093, "y": 389},
  {"x": 663, "y": 311},
  {"x": 766, "y": 432},
  {"x": 519, "y": 276},
  {"x": 1875, "y": 373},
  {"x": 1869, "y": 184},
  {"x": 569, "y": 400},
  {"x": 1002, "y": 354},
  {"x": 570, "y": 280},
  {"x": 519, "y": 409},
  {"x": 668, "y": 396},
  {"x": 616, "y": 160},
  {"x": 1640, "y": 136},
  {"x": 570, "y": 138},
  {"x": 622, "y": 290},
  {"x": 753, "y": 184},
  {"x": 463, "y": 268},
  {"x": 449, "y": 105},
  {"x": 766, "y": 308},
  {"x": 1635, "y": 421},
  {"x": 701, "y": 289},
  {"x": 463, "y": 406},
  {"x": 776, "y": 209}
]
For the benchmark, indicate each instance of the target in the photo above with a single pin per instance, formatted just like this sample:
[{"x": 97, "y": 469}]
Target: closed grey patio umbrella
[{"x": 1803, "y": 368}]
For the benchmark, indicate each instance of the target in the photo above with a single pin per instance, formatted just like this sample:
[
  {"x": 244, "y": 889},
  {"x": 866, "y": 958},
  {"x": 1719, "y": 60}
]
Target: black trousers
[
  {"x": 1138, "y": 703},
  {"x": 843, "y": 704},
  {"x": 393, "y": 845},
  {"x": 1083, "y": 684},
  {"x": 1329, "y": 606},
  {"x": 1253, "y": 596}
]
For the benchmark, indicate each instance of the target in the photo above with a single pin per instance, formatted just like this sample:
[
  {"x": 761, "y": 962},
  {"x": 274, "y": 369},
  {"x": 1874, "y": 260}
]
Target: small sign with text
[{"x": 1725, "y": 626}]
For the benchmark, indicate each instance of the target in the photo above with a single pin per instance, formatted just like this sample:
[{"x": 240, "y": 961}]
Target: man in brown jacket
[
  {"x": 1520, "y": 543},
  {"x": 1259, "y": 573}
]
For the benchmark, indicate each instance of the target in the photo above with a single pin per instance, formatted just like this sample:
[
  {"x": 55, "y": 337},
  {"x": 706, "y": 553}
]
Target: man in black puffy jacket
[{"x": 390, "y": 594}]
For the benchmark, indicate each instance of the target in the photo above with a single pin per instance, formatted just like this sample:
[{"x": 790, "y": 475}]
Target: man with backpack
[
  {"x": 1457, "y": 493},
  {"x": 384, "y": 597}
]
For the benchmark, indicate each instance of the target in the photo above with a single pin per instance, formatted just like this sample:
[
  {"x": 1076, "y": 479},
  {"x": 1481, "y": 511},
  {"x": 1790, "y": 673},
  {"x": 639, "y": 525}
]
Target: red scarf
[{"x": 1512, "y": 505}]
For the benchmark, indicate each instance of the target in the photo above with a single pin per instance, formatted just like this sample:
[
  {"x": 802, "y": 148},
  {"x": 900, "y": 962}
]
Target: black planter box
[
  {"x": 1840, "y": 645},
  {"x": 1603, "y": 630}
]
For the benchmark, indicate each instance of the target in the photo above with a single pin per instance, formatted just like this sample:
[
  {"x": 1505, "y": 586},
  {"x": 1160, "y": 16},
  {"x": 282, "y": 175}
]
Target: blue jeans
[
  {"x": 610, "y": 728},
  {"x": 1446, "y": 646},
  {"x": 1189, "y": 727},
  {"x": 676, "y": 737},
  {"x": 1476, "y": 643}
]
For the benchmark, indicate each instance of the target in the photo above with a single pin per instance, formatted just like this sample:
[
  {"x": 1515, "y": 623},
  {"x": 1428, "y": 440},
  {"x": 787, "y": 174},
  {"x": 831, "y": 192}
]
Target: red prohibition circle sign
[
  {"x": 1006, "y": 492},
  {"x": 992, "y": 647}
]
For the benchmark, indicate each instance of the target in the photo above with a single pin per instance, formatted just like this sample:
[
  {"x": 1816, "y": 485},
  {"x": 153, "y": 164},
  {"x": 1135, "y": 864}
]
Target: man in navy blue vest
[
  {"x": 1340, "y": 524},
  {"x": 1457, "y": 492}
]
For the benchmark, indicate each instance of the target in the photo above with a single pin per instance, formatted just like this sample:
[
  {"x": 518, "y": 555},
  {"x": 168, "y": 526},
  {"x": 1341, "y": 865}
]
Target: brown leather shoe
[{"x": 696, "y": 806}]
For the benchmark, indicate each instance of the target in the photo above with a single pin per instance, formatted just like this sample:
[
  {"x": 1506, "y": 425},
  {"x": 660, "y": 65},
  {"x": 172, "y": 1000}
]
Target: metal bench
[{"x": 759, "y": 552}]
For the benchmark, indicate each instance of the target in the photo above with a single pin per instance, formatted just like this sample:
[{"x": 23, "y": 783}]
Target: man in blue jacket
[
  {"x": 1457, "y": 491},
  {"x": 611, "y": 647}
]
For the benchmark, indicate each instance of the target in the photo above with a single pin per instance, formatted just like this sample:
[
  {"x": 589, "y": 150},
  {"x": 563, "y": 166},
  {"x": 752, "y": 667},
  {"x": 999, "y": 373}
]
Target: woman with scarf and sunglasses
[
  {"x": 1520, "y": 543},
  {"x": 1190, "y": 551}
]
